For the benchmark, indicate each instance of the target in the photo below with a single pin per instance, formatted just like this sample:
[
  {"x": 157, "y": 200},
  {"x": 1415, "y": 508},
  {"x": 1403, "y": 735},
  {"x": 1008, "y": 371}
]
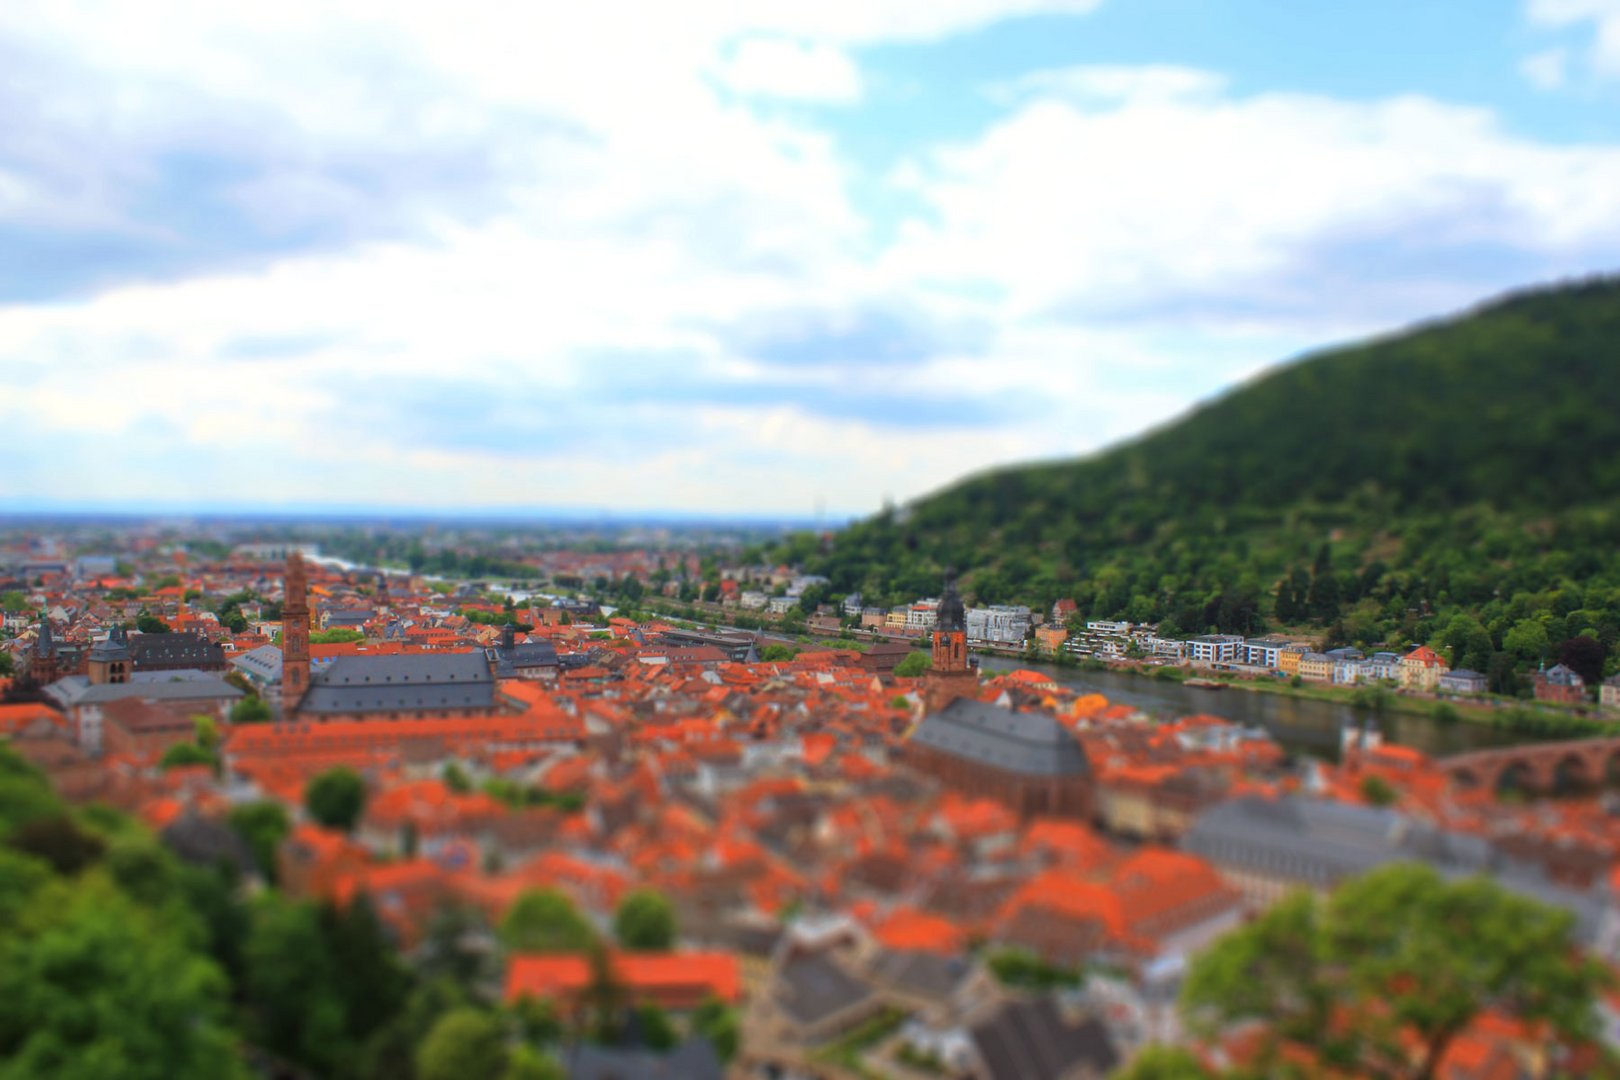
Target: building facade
[{"x": 1027, "y": 761}]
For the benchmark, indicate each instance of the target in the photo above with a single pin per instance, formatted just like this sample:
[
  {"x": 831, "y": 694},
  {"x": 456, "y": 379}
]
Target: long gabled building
[{"x": 1027, "y": 761}]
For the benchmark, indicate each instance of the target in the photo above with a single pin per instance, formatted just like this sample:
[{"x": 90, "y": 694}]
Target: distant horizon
[{"x": 315, "y": 513}]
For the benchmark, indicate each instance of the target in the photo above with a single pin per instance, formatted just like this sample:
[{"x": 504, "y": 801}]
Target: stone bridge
[{"x": 1575, "y": 765}]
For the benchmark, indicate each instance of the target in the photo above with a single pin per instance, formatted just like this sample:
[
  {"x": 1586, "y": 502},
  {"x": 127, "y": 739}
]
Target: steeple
[
  {"x": 294, "y": 634},
  {"x": 950, "y": 676},
  {"x": 952, "y": 615},
  {"x": 950, "y": 631},
  {"x": 42, "y": 665}
]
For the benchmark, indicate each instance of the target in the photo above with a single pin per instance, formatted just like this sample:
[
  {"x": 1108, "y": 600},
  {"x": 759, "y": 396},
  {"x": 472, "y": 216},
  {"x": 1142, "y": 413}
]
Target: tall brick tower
[
  {"x": 294, "y": 635},
  {"x": 951, "y": 676}
]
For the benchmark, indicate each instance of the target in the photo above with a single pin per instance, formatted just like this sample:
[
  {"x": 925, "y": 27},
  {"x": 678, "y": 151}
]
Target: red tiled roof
[{"x": 681, "y": 979}]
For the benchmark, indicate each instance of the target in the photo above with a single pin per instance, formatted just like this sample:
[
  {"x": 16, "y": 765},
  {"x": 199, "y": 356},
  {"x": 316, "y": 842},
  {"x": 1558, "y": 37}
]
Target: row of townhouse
[
  {"x": 1107, "y": 638},
  {"x": 1422, "y": 668},
  {"x": 999, "y": 624}
]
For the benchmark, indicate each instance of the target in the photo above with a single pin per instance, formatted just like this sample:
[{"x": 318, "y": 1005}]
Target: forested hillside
[{"x": 1368, "y": 494}]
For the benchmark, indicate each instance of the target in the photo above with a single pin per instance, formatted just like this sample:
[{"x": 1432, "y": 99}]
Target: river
[{"x": 1300, "y": 725}]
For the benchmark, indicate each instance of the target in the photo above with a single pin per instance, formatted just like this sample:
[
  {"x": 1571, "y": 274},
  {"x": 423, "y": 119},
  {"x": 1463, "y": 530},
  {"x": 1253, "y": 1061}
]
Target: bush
[
  {"x": 915, "y": 663},
  {"x": 250, "y": 710}
]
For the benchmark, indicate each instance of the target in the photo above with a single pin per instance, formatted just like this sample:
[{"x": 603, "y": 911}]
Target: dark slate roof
[
  {"x": 175, "y": 650},
  {"x": 509, "y": 659},
  {"x": 811, "y": 988},
  {"x": 115, "y": 647},
  {"x": 154, "y": 685},
  {"x": 1030, "y": 1040},
  {"x": 419, "y": 681},
  {"x": 1031, "y": 743},
  {"x": 1559, "y": 675},
  {"x": 925, "y": 974},
  {"x": 264, "y": 662},
  {"x": 694, "y": 1059}
]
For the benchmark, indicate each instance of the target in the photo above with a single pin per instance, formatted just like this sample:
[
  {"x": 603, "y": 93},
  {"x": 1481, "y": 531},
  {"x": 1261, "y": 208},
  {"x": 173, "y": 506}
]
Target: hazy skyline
[{"x": 739, "y": 258}]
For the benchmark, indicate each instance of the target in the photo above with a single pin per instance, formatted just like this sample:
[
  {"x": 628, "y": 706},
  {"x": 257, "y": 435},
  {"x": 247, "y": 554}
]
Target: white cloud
[
  {"x": 776, "y": 67},
  {"x": 1546, "y": 70},
  {"x": 587, "y": 223},
  {"x": 1604, "y": 15},
  {"x": 1115, "y": 83},
  {"x": 1151, "y": 200}
]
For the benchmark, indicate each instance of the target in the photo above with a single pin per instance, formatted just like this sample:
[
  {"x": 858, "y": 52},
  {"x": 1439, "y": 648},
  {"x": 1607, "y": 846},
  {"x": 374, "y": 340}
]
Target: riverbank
[
  {"x": 1495, "y": 720},
  {"x": 1514, "y": 716}
]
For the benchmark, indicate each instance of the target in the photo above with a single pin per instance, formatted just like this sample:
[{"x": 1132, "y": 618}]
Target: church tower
[
  {"x": 951, "y": 675},
  {"x": 950, "y": 633},
  {"x": 294, "y": 635},
  {"x": 110, "y": 660},
  {"x": 43, "y": 661}
]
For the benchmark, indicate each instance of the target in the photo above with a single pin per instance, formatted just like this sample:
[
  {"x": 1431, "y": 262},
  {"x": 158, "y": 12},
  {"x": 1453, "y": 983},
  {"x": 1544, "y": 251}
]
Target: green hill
[{"x": 1368, "y": 493}]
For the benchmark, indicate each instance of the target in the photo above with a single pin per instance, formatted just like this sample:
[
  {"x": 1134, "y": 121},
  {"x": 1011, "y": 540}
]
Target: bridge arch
[
  {"x": 1516, "y": 776},
  {"x": 1573, "y": 773}
]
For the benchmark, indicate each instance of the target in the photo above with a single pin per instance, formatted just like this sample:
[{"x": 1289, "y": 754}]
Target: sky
[{"x": 738, "y": 257}]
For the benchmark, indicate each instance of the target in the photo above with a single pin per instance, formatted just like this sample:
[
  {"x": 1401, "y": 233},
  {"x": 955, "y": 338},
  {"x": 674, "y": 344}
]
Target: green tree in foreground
[
  {"x": 718, "y": 1022},
  {"x": 645, "y": 921},
  {"x": 1395, "y": 956},
  {"x": 463, "y": 1044},
  {"x": 96, "y": 985},
  {"x": 545, "y": 921},
  {"x": 262, "y": 825},
  {"x": 526, "y": 1063},
  {"x": 1165, "y": 1063},
  {"x": 336, "y": 798}
]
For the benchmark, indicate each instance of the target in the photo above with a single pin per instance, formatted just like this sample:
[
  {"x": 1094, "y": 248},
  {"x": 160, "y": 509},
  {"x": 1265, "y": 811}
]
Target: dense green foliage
[
  {"x": 119, "y": 961},
  {"x": 105, "y": 962},
  {"x": 338, "y": 635},
  {"x": 336, "y": 798},
  {"x": 546, "y": 921},
  {"x": 262, "y": 825},
  {"x": 645, "y": 921},
  {"x": 916, "y": 663},
  {"x": 1367, "y": 495},
  {"x": 250, "y": 710},
  {"x": 1380, "y": 978},
  {"x": 185, "y": 754},
  {"x": 1024, "y": 970}
]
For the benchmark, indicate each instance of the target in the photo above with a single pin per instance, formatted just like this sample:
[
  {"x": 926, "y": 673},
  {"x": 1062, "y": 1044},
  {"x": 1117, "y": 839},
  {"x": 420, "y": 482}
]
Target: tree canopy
[
  {"x": 262, "y": 825},
  {"x": 1365, "y": 495},
  {"x": 1397, "y": 958},
  {"x": 915, "y": 663},
  {"x": 645, "y": 921},
  {"x": 250, "y": 710},
  {"x": 464, "y": 1043},
  {"x": 96, "y": 985},
  {"x": 336, "y": 798},
  {"x": 545, "y": 921}
]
